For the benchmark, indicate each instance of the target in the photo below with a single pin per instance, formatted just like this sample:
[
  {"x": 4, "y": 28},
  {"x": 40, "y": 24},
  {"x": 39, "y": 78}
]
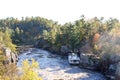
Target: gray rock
[
  {"x": 112, "y": 61},
  {"x": 113, "y": 67},
  {"x": 11, "y": 57},
  {"x": 7, "y": 52},
  {"x": 118, "y": 72},
  {"x": 88, "y": 61},
  {"x": 84, "y": 58}
]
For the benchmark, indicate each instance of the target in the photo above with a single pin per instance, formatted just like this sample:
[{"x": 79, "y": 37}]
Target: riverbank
[{"x": 23, "y": 48}]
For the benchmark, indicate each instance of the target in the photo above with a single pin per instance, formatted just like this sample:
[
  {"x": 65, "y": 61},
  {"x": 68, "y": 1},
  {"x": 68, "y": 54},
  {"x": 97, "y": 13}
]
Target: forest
[{"x": 96, "y": 36}]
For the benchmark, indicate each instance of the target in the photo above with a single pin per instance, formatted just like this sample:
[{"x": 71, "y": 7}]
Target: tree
[
  {"x": 28, "y": 71},
  {"x": 8, "y": 41}
]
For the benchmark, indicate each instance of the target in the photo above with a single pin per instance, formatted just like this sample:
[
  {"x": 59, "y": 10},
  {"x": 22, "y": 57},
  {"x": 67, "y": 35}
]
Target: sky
[{"x": 60, "y": 10}]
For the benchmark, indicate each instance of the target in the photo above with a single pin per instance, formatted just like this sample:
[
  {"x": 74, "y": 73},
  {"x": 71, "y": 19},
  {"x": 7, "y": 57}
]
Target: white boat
[{"x": 73, "y": 58}]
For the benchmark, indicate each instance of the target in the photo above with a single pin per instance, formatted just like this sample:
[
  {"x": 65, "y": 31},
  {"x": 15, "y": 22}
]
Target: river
[{"x": 53, "y": 67}]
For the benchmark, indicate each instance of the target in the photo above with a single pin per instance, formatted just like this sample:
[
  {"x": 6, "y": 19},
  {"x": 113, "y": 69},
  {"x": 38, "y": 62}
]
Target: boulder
[
  {"x": 110, "y": 65},
  {"x": 117, "y": 73},
  {"x": 11, "y": 57},
  {"x": 110, "y": 73},
  {"x": 84, "y": 59},
  {"x": 89, "y": 61},
  {"x": 14, "y": 57}
]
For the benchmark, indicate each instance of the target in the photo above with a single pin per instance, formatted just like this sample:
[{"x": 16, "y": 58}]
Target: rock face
[
  {"x": 88, "y": 61},
  {"x": 118, "y": 72},
  {"x": 111, "y": 70},
  {"x": 11, "y": 57},
  {"x": 111, "y": 66}
]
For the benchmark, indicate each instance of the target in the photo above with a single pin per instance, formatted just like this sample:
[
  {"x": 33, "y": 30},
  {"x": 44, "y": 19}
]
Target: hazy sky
[{"x": 60, "y": 10}]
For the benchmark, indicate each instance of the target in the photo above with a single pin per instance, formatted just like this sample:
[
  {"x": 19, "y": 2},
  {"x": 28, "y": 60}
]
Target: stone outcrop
[
  {"x": 11, "y": 57},
  {"x": 111, "y": 68},
  {"x": 89, "y": 61},
  {"x": 110, "y": 65},
  {"x": 117, "y": 73}
]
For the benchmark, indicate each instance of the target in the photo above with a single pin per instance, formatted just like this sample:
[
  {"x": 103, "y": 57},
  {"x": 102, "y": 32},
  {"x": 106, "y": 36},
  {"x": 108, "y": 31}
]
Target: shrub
[
  {"x": 10, "y": 71},
  {"x": 28, "y": 71}
]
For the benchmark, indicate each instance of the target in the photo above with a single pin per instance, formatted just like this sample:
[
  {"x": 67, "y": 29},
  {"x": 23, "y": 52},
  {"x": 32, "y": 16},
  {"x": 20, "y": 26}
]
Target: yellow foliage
[
  {"x": 9, "y": 71},
  {"x": 28, "y": 71}
]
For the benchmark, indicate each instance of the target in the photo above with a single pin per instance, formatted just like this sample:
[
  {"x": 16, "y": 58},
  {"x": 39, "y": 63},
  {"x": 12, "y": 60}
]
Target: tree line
[{"x": 30, "y": 30}]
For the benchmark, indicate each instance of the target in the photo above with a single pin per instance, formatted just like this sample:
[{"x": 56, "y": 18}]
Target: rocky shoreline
[
  {"x": 92, "y": 63},
  {"x": 53, "y": 67}
]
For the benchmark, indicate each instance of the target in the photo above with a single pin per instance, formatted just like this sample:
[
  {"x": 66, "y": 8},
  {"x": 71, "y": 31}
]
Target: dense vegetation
[
  {"x": 50, "y": 35},
  {"x": 76, "y": 34},
  {"x": 5, "y": 39},
  {"x": 28, "y": 30}
]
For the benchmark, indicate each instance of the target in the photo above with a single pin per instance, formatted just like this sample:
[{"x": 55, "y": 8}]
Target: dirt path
[{"x": 52, "y": 67}]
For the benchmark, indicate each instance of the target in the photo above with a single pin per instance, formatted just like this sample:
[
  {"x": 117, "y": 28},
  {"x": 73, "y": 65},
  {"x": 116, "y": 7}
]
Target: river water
[{"x": 53, "y": 67}]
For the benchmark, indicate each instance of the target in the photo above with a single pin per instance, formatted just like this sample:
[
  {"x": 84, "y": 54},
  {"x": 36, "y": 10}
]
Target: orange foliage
[
  {"x": 1, "y": 52},
  {"x": 96, "y": 37}
]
